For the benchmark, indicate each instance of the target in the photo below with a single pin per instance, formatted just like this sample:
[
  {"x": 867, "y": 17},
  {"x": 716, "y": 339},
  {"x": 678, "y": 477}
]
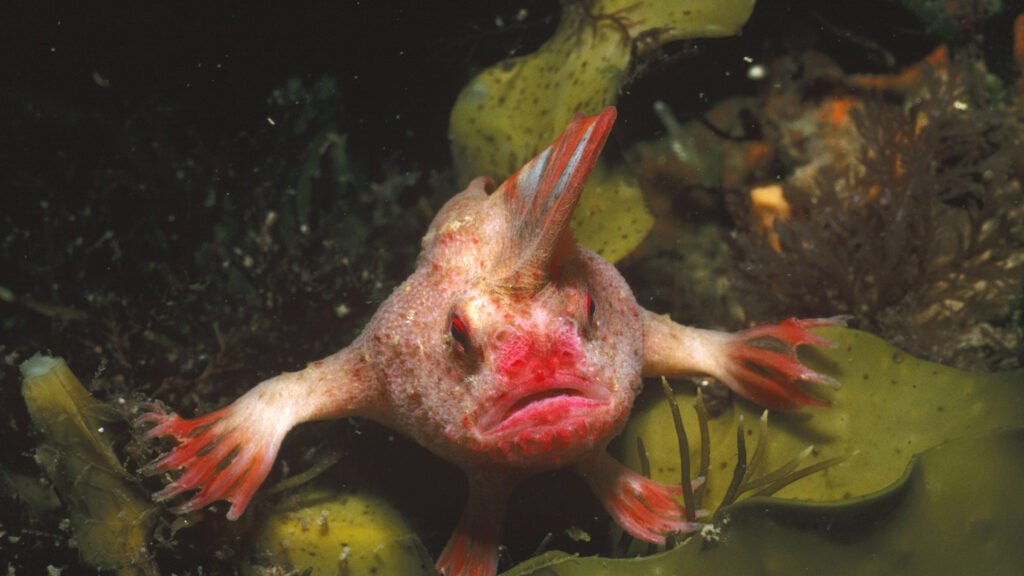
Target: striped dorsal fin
[{"x": 541, "y": 196}]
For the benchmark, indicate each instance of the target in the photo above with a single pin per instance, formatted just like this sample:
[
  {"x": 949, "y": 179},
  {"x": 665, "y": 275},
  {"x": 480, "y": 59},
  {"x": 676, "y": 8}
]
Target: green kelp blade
[
  {"x": 111, "y": 516},
  {"x": 321, "y": 532},
  {"x": 514, "y": 109},
  {"x": 890, "y": 407},
  {"x": 957, "y": 509}
]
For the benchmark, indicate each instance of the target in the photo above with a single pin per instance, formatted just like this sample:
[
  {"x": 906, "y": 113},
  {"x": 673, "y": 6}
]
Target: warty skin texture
[{"x": 509, "y": 351}]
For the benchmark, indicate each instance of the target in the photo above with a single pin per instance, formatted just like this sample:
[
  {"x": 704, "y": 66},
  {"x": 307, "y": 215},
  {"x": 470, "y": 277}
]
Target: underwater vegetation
[
  {"x": 188, "y": 269},
  {"x": 895, "y": 197},
  {"x": 111, "y": 516},
  {"x": 876, "y": 481},
  {"x": 511, "y": 111},
  {"x": 351, "y": 532},
  {"x": 891, "y": 406},
  {"x": 918, "y": 232},
  {"x": 918, "y": 525}
]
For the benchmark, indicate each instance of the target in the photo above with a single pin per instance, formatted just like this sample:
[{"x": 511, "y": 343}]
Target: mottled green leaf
[
  {"x": 513, "y": 110},
  {"x": 957, "y": 509},
  {"x": 890, "y": 407}
]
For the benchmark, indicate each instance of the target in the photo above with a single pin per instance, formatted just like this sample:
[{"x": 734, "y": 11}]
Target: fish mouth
[{"x": 546, "y": 403}]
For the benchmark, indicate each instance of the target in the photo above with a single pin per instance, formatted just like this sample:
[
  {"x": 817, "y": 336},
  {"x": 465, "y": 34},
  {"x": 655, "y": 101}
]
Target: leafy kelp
[
  {"x": 890, "y": 407},
  {"x": 955, "y": 510},
  {"x": 511, "y": 111},
  {"x": 111, "y": 515}
]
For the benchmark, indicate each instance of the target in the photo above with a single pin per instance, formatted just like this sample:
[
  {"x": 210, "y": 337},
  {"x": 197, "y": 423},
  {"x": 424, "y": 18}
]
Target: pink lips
[{"x": 542, "y": 403}]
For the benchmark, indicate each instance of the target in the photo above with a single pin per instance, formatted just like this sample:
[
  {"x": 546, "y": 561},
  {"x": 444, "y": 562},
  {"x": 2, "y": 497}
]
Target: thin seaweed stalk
[
  {"x": 542, "y": 546},
  {"x": 801, "y": 473},
  {"x": 779, "y": 473},
  {"x": 645, "y": 462},
  {"x": 684, "y": 453},
  {"x": 322, "y": 465},
  {"x": 705, "y": 448},
  {"x": 772, "y": 482},
  {"x": 757, "y": 460},
  {"x": 741, "y": 468}
]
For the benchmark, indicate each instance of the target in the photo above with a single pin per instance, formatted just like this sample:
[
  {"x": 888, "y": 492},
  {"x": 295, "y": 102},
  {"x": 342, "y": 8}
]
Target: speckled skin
[
  {"x": 438, "y": 391},
  {"x": 510, "y": 350}
]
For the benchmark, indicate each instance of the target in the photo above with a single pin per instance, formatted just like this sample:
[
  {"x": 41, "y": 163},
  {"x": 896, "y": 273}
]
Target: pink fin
[
  {"x": 472, "y": 549},
  {"x": 646, "y": 509},
  {"x": 466, "y": 554},
  {"x": 542, "y": 195},
  {"x": 768, "y": 376},
  {"x": 225, "y": 455}
]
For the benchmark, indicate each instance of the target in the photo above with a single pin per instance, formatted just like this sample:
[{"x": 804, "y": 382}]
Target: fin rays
[{"x": 541, "y": 196}]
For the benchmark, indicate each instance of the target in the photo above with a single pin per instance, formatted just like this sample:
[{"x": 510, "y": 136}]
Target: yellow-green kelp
[
  {"x": 511, "y": 111},
  {"x": 956, "y": 509},
  {"x": 890, "y": 407},
  {"x": 111, "y": 517},
  {"x": 328, "y": 532}
]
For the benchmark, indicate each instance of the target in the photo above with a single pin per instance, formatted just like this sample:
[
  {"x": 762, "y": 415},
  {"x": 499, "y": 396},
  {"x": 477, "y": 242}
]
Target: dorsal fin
[{"x": 541, "y": 196}]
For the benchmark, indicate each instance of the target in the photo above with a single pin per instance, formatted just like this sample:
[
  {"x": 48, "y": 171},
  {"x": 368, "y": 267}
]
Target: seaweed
[
  {"x": 111, "y": 517},
  {"x": 941, "y": 516},
  {"x": 330, "y": 531},
  {"x": 920, "y": 239},
  {"x": 510, "y": 111},
  {"x": 890, "y": 407}
]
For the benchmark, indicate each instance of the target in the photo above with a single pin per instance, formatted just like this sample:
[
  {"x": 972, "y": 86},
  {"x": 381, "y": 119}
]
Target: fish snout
[{"x": 518, "y": 354}]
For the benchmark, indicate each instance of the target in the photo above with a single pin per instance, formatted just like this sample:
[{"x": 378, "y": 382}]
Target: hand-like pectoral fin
[
  {"x": 224, "y": 455},
  {"x": 759, "y": 364},
  {"x": 227, "y": 454}
]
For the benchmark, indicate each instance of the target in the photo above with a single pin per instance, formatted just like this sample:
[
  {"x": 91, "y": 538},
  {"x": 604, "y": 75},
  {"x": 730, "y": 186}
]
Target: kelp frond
[{"x": 747, "y": 479}]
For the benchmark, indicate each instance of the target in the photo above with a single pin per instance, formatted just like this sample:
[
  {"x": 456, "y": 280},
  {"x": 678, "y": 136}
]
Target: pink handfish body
[{"x": 510, "y": 350}]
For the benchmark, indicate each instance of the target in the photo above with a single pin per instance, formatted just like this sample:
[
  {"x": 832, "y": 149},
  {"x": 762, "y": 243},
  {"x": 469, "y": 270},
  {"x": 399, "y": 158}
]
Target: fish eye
[{"x": 459, "y": 331}]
